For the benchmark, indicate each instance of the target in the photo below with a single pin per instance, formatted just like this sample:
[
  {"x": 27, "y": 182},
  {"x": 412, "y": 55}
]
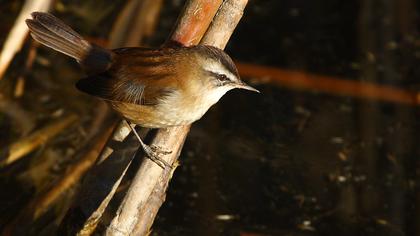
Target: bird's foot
[{"x": 155, "y": 154}]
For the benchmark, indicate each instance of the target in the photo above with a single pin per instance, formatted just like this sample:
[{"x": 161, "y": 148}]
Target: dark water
[{"x": 304, "y": 163}]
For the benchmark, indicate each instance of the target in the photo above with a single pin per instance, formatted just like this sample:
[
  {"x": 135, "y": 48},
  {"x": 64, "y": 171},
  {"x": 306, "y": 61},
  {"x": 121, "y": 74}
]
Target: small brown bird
[{"x": 153, "y": 88}]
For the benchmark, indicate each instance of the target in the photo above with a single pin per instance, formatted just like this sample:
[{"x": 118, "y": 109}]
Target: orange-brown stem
[
  {"x": 194, "y": 22},
  {"x": 328, "y": 84}
]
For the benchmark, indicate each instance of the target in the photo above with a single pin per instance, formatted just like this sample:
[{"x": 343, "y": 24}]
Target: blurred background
[{"x": 329, "y": 147}]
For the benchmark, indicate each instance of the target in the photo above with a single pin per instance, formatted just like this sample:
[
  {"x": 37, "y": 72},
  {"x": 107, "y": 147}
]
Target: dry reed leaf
[{"x": 28, "y": 144}]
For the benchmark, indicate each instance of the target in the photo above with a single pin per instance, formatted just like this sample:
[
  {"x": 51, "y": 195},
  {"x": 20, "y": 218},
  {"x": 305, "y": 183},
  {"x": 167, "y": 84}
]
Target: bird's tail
[{"x": 52, "y": 32}]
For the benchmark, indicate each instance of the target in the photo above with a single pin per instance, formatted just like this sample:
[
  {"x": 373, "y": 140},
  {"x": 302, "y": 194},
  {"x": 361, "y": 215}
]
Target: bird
[{"x": 152, "y": 88}]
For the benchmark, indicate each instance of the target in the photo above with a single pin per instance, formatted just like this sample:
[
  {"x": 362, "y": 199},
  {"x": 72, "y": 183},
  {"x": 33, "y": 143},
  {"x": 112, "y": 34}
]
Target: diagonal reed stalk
[{"x": 146, "y": 194}]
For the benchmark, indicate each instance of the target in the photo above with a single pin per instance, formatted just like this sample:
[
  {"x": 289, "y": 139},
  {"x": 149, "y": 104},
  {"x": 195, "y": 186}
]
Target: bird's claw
[
  {"x": 154, "y": 153},
  {"x": 159, "y": 150}
]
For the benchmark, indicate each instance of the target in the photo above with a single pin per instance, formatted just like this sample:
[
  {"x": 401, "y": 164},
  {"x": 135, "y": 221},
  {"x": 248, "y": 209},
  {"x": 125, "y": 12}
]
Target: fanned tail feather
[{"x": 52, "y": 32}]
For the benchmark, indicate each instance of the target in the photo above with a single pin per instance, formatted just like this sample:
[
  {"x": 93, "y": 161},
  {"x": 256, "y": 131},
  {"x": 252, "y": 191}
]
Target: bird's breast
[
  {"x": 170, "y": 111},
  {"x": 177, "y": 108},
  {"x": 182, "y": 109}
]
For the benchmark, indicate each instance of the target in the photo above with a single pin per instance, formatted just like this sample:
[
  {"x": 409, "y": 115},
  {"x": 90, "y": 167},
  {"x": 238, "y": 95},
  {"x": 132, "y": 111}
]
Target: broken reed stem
[
  {"x": 40, "y": 204},
  {"x": 28, "y": 144},
  {"x": 147, "y": 191},
  {"x": 17, "y": 34},
  {"x": 327, "y": 84}
]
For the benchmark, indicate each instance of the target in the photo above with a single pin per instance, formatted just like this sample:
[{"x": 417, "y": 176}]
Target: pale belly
[
  {"x": 160, "y": 116},
  {"x": 174, "y": 110}
]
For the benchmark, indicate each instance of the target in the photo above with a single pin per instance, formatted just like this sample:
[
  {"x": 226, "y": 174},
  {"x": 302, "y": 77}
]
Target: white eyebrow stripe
[{"x": 218, "y": 68}]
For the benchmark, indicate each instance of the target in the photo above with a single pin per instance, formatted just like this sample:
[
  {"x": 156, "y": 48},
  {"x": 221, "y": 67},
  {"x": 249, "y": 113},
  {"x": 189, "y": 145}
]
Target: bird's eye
[{"x": 222, "y": 78}]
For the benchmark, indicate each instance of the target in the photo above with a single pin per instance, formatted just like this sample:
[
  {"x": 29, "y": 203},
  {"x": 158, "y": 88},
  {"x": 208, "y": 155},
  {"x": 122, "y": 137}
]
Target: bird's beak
[{"x": 242, "y": 85}]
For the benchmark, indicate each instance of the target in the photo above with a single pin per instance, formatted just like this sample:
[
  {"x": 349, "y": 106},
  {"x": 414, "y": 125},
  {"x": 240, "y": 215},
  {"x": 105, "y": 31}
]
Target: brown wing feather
[
  {"x": 104, "y": 88},
  {"x": 129, "y": 79}
]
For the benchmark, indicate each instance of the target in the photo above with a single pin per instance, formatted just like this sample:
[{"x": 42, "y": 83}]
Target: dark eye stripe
[{"x": 222, "y": 77}]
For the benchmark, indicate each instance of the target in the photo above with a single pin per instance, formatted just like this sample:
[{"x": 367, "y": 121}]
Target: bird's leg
[{"x": 152, "y": 152}]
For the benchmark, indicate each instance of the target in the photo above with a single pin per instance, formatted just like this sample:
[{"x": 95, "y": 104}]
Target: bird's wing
[
  {"x": 126, "y": 91},
  {"x": 138, "y": 76}
]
